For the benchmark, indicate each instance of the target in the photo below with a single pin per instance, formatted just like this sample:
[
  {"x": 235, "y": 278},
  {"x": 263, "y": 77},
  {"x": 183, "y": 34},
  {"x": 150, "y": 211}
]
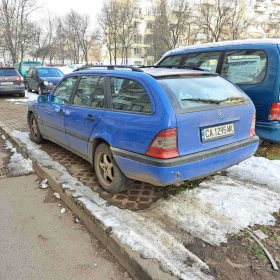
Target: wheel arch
[{"x": 93, "y": 144}]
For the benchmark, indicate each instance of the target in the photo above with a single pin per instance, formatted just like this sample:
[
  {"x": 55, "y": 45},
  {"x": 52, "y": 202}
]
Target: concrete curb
[{"x": 139, "y": 268}]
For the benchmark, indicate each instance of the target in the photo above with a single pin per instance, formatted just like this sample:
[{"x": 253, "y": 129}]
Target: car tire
[
  {"x": 108, "y": 173},
  {"x": 28, "y": 88},
  {"x": 22, "y": 94},
  {"x": 35, "y": 133},
  {"x": 40, "y": 90}
]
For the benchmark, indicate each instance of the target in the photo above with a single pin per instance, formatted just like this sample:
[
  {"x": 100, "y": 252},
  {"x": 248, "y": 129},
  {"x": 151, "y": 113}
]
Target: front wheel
[
  {"x": 36, "y": 135},
  {"x": 40, "y": 90},
  {"x": 107, "y": 171}
]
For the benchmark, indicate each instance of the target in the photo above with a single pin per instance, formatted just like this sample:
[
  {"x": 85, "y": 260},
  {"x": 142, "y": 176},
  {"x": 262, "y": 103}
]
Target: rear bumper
[
  {"x": 164, "y": 172},
  {"x": 269, "y": 131},
  {"x": 12, "y": 89}
]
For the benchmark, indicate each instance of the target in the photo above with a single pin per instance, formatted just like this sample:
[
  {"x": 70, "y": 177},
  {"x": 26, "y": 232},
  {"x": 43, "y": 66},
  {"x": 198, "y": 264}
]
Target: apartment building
[{"x": 260, "y": 13}]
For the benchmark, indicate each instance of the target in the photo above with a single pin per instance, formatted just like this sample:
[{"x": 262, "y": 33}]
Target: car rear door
[
  {"x": 52, "y": 113},
  {"x": 85, "y": 112}
]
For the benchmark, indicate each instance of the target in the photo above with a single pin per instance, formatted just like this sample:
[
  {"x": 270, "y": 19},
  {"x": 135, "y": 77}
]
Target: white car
[{"x": 65, "y": 69}]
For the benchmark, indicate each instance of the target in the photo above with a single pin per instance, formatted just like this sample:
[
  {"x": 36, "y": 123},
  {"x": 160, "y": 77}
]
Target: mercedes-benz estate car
[{"x": 160, "y": 126}]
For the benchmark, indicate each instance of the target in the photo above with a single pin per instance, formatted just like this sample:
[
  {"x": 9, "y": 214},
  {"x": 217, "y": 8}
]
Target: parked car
[
  {"x": 24, "y": 66},
  {"x": 11, "y": 81},
  {"x": 42, "y": 79},
  {"x": 159, "y": 126},
  {"x": 254, "y": 65}
]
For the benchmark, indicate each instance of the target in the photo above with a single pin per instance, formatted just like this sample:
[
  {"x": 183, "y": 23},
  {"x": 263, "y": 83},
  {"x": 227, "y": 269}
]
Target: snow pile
[
  {"x": 56, "y": 195},
  {"x": 140, "y": 234},
  {"x": 258, "y": 170},
  {"x": 20, "y": 166},
  {"x": 3, "y": 137},
  {"x": 220, "y": 207}
]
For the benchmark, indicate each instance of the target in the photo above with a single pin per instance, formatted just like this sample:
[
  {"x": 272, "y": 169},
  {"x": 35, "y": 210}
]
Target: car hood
[{"x": 54, "y": 80}]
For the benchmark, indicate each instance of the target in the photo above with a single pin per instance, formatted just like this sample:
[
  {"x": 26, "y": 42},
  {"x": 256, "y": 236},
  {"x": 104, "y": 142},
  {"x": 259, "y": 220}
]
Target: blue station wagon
[
  {"x": 159, "y": 126},
  {"x": 254, "y": 65}
]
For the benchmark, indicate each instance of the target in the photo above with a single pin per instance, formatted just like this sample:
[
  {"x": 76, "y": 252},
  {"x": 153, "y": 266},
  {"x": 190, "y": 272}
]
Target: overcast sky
[{"x": 61, "y": 7}]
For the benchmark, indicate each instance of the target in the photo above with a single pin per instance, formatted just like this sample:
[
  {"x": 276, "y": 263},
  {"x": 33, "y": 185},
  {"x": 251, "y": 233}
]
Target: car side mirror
[{"x": 43, "y": 98}]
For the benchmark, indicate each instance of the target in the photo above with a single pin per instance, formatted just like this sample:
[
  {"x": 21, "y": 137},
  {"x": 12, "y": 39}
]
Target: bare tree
[
  {"x": 14, "y": 15},
  {"x": 214, "y": 18},
  {"x": 109, "y": 21},
  {"x": 271, "y": 27},
  {"x": 238, "y": 21}
]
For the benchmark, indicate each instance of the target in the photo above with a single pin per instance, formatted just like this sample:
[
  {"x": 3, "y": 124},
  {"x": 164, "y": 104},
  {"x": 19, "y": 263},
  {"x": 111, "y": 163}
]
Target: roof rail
[
  {"x": 109, "y": 67},
  {"x": 174, "y": 66}
]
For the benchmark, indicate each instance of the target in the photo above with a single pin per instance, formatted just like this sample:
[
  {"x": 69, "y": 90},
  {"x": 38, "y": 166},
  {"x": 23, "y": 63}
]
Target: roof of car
[
  {"x": 154, "y": 72},
  {"x": 226, "y": 43}
]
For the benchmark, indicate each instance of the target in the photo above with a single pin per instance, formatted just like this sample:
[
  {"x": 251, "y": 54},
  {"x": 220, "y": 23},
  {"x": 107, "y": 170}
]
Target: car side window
[
  {"x": 245, "y": 66},
  {"x": 171, "y": 60},
  {"x": 207, "y": 61},
  {"x": 85, "y": 90},
  {"x": 98, "y": 95},
  {"x": 129, "y": 95},
  {"x": 63, "y": 92}
]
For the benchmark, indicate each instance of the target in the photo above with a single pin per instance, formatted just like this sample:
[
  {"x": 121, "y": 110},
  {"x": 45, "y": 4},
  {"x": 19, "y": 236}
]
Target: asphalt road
[{"x": 38, "y": 242}]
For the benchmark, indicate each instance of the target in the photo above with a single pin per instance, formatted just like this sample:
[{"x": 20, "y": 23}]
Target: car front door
[
  {"x": 52, "y": 113},
  {"x": 84, "y": 113}
]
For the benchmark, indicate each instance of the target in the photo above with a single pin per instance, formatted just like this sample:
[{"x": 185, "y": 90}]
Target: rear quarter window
[
  {"x": 171, "y": 60},
  {"x": 245, "y": 66}
]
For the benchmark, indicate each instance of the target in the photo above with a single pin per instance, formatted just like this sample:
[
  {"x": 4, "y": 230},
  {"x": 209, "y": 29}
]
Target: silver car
[{"x": 11, "y": 81}]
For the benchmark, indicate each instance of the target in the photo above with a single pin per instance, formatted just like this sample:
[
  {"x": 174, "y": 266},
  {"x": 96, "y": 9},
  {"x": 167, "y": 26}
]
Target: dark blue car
[
  {"x": 254, "y": 65},
  {"x": 42, "y": 79},
  {"x": 160, "y": 126}
]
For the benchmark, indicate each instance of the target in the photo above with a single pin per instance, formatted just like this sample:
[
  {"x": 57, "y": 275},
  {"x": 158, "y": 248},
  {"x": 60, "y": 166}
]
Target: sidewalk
[{"x": 39, "y": 242}]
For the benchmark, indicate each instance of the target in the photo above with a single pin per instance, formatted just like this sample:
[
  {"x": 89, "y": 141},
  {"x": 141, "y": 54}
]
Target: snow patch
[
  {"x": 20, "y": 166},
  {"x": 56, "y": 195},
  {"x": 62, "y": 211},
  {"x": 258, "y": 170},
  {"x": 140, "y": 234},
  {"x": 44, "y": 184},
  {"x": 29, "y": 97},
  {"x": 3, "y": 137},
  {"x": 220, "y": 207}
]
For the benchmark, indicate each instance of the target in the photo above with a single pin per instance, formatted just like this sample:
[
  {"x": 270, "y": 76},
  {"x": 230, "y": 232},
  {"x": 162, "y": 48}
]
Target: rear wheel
[
  {"x": 36, "y": 135},
  {"x": 108, "y": 173}
]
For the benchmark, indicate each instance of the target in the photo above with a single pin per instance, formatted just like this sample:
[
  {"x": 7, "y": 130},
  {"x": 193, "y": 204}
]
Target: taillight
[
  {"x": 164, "y": 144},
  {"x": 19, "y": 79},
  {"x": 274, "y": 114},
  {"x": 253, "y": 124}
]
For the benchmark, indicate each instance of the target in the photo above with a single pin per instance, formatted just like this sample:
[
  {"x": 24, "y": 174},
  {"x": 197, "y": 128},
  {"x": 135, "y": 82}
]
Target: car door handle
[
  {"x": 61, "y": 112},
  {"x": 90, "y": 118}
]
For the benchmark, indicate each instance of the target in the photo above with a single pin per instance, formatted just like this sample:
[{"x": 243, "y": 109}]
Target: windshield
[
  {"x": 25, "y": 67},
  {"x": 49, "y": 72},
  {"x": 201, "y": 91}
]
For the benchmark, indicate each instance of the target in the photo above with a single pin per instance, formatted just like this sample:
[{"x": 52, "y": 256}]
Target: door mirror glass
[{"x": 43, "y": 98}]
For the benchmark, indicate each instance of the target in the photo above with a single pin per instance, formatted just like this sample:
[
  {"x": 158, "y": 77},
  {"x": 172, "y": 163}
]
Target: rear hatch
[
  {"x": 210, "y": 111},
  {"x": 10, "y": 77}
]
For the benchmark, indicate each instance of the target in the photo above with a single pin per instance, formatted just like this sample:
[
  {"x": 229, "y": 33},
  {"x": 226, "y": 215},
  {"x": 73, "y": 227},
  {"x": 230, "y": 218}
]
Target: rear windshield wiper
[
  {"x": 202, "y": 100},
  {"x": 215, "y": 101}
]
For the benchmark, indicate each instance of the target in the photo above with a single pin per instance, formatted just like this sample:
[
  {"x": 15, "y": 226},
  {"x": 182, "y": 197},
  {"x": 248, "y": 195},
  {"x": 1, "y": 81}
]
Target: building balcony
[
  {"x": 276, "y": 2},
  {"x": 207, "y": 2}
]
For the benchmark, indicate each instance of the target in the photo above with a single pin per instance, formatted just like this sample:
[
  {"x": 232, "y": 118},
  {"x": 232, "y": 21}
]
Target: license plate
[
  {"x": 215, "y": 132},
  {"x": 6, "y": 83}
]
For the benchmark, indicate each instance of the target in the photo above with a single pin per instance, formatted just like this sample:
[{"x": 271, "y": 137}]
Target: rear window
[
  {"x": 8, "y": 72},
  {"x": 184, "y": 92}
]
